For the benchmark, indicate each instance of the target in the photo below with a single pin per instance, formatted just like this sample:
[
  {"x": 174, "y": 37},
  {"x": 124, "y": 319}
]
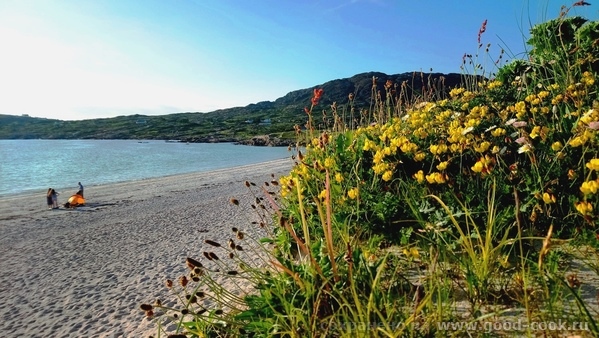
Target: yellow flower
[
  {"x": 323, "y": 194},
  {"x": 338, "y": 177},
  {"x": 593, "y": 164},
  {"x": 584, "y": 207},
  {"x": 498, "y": 132},
  {"x": 368, "y": 145},
  {"x": 419, "y": 156},
  {"x": 524, "y": 149},
  {"x": 352, "y": 193},
  {"x": 557, "y": 146},
  {"x": 419, "y": 176},
  {"x": 329, "y": 162},
  {"x": 484, "y": 146},
  {"x": 535, "y": 132},
  {"x": 548, "y": 198},
  {"x": 388, "y": 175},
  {"x": 435, "y": 178},
  {"x": 412, "y": 253},
  {"x": 456, "y": 92},
  {"x": 577, "y": 141},
  {"x": 478, "y": 167},
  {"x": 442, "y": 166},
  {"x": 589, "y": 187}
]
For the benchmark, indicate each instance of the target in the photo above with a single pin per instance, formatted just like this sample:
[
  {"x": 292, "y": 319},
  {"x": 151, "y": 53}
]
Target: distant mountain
[{"x": 227, "y": 125}]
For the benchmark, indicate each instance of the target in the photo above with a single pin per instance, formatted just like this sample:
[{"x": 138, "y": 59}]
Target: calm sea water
[{"x": 33, "y": 165}]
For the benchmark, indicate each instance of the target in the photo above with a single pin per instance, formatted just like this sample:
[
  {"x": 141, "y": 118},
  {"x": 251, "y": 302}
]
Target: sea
[{"x": 32, "y": 165}]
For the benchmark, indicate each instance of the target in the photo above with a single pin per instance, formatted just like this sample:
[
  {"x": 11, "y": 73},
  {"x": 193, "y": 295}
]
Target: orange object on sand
[{"x": 76, "y": 200}]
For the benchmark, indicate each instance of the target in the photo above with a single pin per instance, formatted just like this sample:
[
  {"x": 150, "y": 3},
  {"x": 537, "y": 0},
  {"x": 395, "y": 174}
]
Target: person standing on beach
[
  {"x": 54, "y": 199},
  {"x": 80, "y": 192},
  {"x": 49, "y": 198}
]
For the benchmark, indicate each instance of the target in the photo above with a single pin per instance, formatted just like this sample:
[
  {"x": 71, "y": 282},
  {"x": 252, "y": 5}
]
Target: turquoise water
[{"x": 33, "y": 165}]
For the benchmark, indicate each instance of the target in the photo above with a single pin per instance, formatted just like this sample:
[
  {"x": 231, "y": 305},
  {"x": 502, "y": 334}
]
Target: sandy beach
[{"x": 84, "y": 272}]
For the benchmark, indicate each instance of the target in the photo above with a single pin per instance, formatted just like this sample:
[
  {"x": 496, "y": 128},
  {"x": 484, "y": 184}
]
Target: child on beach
[
  {"x": 49, "y": 198},
  {"x": 54, "y": 199}
]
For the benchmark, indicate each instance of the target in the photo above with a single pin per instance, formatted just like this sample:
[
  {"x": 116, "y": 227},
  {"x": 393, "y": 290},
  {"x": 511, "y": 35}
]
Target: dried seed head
[
  {"x": 234, "y": 201},
  {"x": 195, "y": 278},
  {"x": 252, "y": 183},
  {"x": 232, "y": 273},
  {"x": 146, "y": 307},
  {"x": 218, "y": 312},
  {"x": 207, "y": 255},
  {"x": 266, "y": 184},
  {"x": 213, "y": 256},
  {"x": 158, "y": 302},
  {"x": 231, "y": 244},
  {"x": 234, "y": 229},
  {"x": 213, "y": 243},
  {"x": 184, "y": 312},
  {"x": 231, "y": 255},
  {"x": 183, "y": 281},
  {"x": 240, "y": 235},
  {"x": 238, "y": 248},
  {"x": 169, "y": 283},
  {"x": 192, "y": 263},
  {"x": 149, "y": 313},
  {"x": 200, "y": 294},
  {"x": 192, "y": 299},
  {"x": 273, "y": 182},
  {"x": 197, "y": 271},
  {"x": 247, "y": 184},
  {"x": 262, "y": 225}
]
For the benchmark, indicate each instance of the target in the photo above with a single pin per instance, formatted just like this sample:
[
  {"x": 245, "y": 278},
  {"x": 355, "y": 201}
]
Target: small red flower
[
  {"x": 482, "y": 29},
  {"x": 317, "y": 94}
]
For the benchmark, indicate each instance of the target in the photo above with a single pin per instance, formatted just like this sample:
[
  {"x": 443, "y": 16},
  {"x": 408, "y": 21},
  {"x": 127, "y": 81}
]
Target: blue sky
[{"x": 82, "y": 59}]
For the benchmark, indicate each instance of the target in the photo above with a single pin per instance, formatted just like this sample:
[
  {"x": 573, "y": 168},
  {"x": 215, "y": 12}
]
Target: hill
[{"x": 275, "y": 119}]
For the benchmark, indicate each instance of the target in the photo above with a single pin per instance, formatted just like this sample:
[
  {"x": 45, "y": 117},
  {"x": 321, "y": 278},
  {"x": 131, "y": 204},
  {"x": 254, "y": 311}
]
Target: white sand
[{"x": 84, "y": 272}]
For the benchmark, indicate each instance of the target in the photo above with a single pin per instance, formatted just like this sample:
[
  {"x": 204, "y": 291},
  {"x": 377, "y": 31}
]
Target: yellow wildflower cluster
[
  {"x": 589, "y": 187},
  {"x": 584, "y": 207},
  {"x": 593, "y": 164},
  {"x": 352, "y": 193},
  {"x": 588, "y": 79},
  {"x": 548, "y": 198},
  {"x": 483, "y": 165},
  {"x": 436, "y": 177}
]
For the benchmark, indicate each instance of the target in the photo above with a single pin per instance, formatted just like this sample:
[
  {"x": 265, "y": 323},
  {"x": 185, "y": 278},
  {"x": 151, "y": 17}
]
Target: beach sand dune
[{"x": 84, "y": 272}]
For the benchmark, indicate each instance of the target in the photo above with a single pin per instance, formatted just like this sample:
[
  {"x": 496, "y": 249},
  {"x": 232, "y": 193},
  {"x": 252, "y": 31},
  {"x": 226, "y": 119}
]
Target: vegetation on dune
[{"x": 473, "y": 214}]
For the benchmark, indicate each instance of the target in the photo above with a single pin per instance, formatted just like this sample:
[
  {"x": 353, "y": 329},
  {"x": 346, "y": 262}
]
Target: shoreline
[{"x": 85, "y": 271}]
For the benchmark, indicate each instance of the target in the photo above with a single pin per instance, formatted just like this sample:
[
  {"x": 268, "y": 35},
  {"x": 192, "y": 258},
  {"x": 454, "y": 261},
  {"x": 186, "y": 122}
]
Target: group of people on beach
[{"x": 52, "y": 196}]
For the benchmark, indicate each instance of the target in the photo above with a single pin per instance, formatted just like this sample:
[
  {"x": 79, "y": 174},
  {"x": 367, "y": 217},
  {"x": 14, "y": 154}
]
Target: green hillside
[{"x": 276, "y": 118}]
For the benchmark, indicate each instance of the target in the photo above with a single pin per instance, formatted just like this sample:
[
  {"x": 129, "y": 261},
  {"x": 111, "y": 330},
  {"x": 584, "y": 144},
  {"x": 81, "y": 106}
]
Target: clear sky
[{"x": 82, "y": 59}]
